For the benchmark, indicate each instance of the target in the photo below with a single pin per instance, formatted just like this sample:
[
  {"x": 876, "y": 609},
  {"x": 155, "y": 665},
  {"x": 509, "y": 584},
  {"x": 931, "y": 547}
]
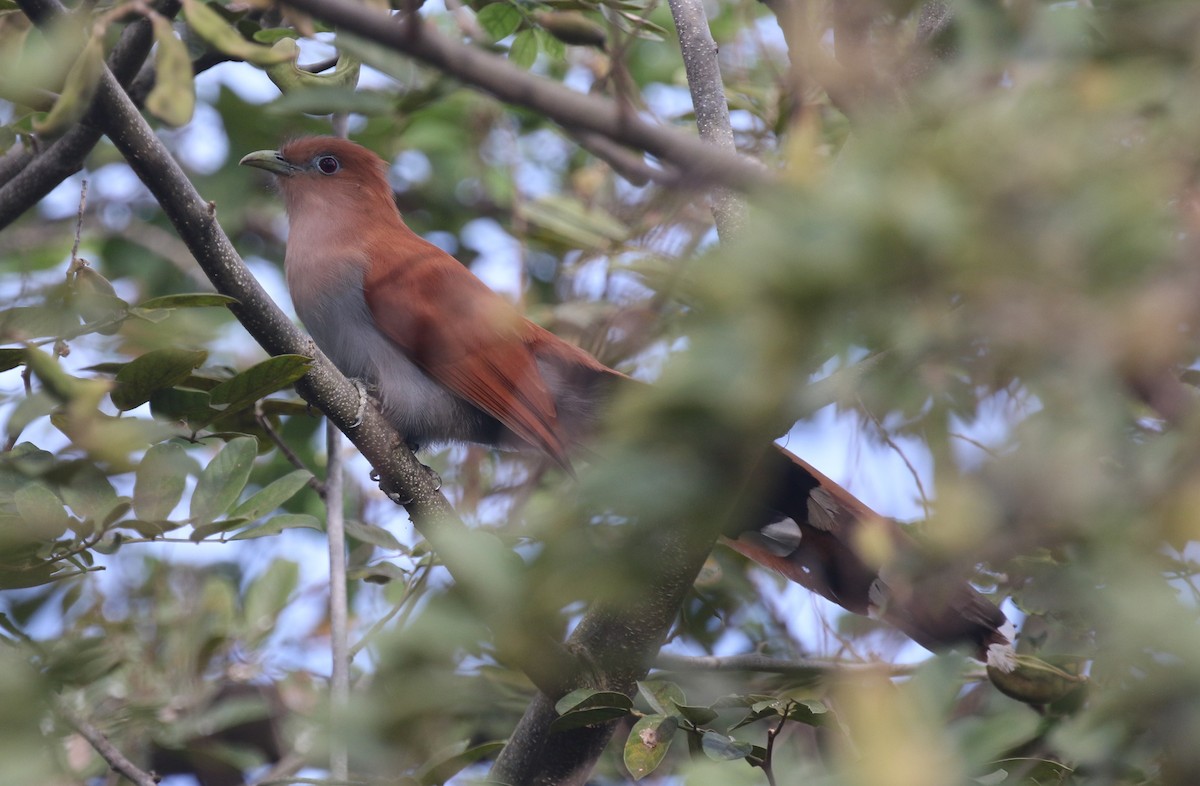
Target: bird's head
[{"x": 320, "y": 173}]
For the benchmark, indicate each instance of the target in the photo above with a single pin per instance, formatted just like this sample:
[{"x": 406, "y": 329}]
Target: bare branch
[
  {"x": 38, "y": 175},
  {"x": 569, "y": 108},
  {"x": 708, "y": 99},
  {"x": 116, "y": 760},
  {"x": 402, "y": 475},
  {"x": 802, "y": 667}
]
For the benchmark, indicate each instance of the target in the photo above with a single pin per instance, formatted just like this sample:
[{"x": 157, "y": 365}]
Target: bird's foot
[
  {"x": 363, "y": 397},
  {"x": 384, "y": 486}
]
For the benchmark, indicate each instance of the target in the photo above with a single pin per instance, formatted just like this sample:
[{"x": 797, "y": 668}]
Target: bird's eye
[{"x": 328, "y": 165}]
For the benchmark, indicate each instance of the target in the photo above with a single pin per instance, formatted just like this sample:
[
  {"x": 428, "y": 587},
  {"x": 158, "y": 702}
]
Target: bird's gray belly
[{"x": 421, "y": 409}]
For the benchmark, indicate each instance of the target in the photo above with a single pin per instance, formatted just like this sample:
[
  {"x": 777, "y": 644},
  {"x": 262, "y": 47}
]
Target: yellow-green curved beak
[{"x": 271, "y": 161}]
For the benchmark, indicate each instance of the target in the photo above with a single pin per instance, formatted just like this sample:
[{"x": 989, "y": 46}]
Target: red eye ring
[{"x": 328, "y": 165}]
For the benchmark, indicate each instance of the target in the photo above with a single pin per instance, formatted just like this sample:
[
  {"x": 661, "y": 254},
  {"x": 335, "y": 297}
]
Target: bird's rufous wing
[{"x": 464, "y": 336}]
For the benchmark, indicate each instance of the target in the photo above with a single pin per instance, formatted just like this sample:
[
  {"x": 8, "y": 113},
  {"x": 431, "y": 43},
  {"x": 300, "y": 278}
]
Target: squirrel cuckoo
[{"x": 453, "y": 361}]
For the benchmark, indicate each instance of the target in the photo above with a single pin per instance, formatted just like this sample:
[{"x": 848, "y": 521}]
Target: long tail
[{"x": 817, "y": 534}]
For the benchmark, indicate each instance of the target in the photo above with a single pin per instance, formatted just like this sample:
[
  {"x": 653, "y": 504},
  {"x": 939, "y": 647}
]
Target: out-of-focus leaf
[
  {"x": 662, "y": 696},
  {"x": 449, "y": 763},
  {"x": 42, "y": 509},
  {"x": 29, "y": 322},
  {"x": 156, "y": 370},
  {"x": 323, "y": 100},
  {"x": 173, "y": 98},
  {"x": 160, "y": 481},
  {"x": 270, "y": 35},
  {"x": 29, "y": 409},
  {"x": 90, "y": 493},
  {"x": 11, "y": 358},
  {"x": 277, "y": 524},
  {"x": 289, "y": 77},
  {"x": 191, "y": 300},
  {"x": 648, "y": 743},
  {"x": 720, "y": 747},
  {"x": 376, "y": 536},
  {"x": 222, "y": 481},
  {"x": 377, "y": 573},
  {"x": 524, "y": 49},
  {"x": 572, "y": 27},
  {"x": 223, "y": 36},
  {"x": 570, "y": 220},
  {"x": 78, "y": 90},
  {"x": 268, "y": 594},
  {"x": 499, "y": 20},
  {"x": 697, "y": 716}
]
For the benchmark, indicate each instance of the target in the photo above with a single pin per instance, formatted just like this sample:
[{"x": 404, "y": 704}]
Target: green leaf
[
  {"x": 662, "y": 696},
  {"x": 258, "y": 381},
  {"x": 585, "y": 698},
  {"x": 11, "y": 358},
  {"x": 378, "y": 573},
  {"x": 29, "y": 322},
  {"x": 173, "y": 99},
  {"x": 160, "y": 481},
  {"x": 156, "y": 370},
  {"x": 270, "y": 35},
  {"x": 222, "y": 481},
  {"x": 42, "y": 509},
  {"x": 268, "y": 594},
  {"x": 524, "y": 49},
  {"x": 213, "y": 28},
  {"x": 181, "y": 403},
  {"x": 78, "y": 90},
  {"x": 202, "y": 531},
  {"x": 695, "y": 715},
  {"x": 190, "y": 300},
  {"x": 278, "y": 524},
  {"x": 648, "y": 743},
  {"x": 376, "y": 536},
  {"x": 28, "y": 410},
  {"x": 89, "y": 493},
  {"x": 722, "y": 748},
  {"x": 324, "y": 100},
  {"x": 449, "y": 763},
  {"x": 272, "y": 495},
  {"x": 499, "y": 20},
  {"x": 570, "y": 220},
  {"x": 586, "y": 707}
]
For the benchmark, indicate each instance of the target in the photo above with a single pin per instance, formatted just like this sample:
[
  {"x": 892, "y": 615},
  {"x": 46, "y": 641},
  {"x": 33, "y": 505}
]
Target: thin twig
[
  {"x": 78, "y": 226},
  {"x": 335, "y": 527},
  {"x": 260, "y": 417},
  {"x": 116, "y": 760},
  {"x": 887, "y": 440},
  {"x": 699, "y": 161},
  {"x": 699, "y": 52},
  {"x": 802, "y": 667}
]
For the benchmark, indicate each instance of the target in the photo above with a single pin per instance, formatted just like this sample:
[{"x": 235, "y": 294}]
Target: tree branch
[
  {"x": 802, "y": 667},
  {"x": 708, "y": 99},
  {"x": 37, "y": 175},
  {"x": 403, "y": 477},
  {"x": 569, "y": 108},
  {"x": 116, "y": 760}
]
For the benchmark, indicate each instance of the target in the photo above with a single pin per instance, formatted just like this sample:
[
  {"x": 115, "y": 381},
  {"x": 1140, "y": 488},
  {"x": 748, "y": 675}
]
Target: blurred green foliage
[{"x": 985, "y": 249}]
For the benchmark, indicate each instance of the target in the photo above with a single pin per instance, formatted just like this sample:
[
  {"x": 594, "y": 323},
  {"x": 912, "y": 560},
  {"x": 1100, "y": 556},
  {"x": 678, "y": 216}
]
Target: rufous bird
[{"x": 453, "y": 361}]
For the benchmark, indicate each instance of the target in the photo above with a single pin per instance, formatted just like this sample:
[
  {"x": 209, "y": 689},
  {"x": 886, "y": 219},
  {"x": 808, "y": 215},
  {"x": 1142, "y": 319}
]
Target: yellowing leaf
[{"x": 173, "y": 99}]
